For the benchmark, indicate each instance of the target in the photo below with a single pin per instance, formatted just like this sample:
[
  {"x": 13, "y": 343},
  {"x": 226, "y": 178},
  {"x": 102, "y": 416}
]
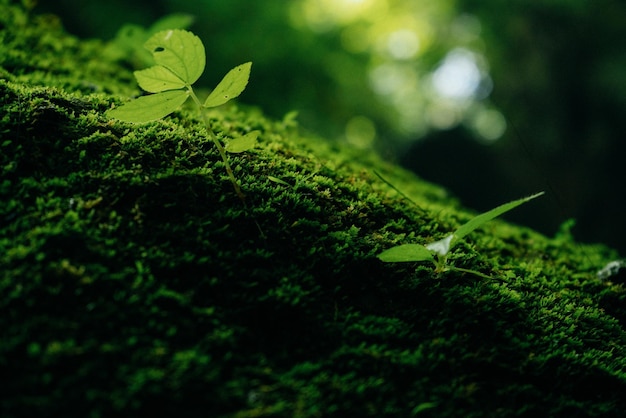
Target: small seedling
[
  {"x": 437, "y": 252},
  {"x": 180, "y": 59}
]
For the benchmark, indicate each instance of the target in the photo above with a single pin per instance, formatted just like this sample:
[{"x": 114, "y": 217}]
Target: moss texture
[{"x": 134, "y": 282}]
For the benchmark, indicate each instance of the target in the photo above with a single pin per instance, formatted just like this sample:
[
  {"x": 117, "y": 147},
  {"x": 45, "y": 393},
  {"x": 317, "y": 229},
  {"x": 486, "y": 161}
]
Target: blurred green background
[{"x": 492, "y": 99}]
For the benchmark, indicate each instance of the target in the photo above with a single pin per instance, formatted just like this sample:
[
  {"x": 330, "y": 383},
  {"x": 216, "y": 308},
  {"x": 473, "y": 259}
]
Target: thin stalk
[
  {"x": 474, "y": 272},
  {"x": 218, "y": 144},
  {"x": 223, "y": 154},
  {"x": 441, "y": 266},
  {"x": 398, "y": 190}
]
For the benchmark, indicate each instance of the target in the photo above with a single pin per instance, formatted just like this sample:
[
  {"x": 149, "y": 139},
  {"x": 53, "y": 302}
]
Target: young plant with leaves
[
  {"x": 180, "y": 59},
  {"x": 437, "y": 252}
]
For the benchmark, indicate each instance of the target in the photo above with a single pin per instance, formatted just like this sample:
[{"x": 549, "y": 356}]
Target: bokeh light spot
[
  {"x": 360, "y": 132},
  {"x": 489, "y": 124},
  {"x": 403, "y": 44},
  {"x": 390, "y": 78},
  {"x": 458, "y": 76}
]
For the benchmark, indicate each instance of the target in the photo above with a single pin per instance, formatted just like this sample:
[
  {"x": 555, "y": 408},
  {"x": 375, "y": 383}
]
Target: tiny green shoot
[
  {"x": 180, "y": 59},
  {"x": 437, "y": 252}
]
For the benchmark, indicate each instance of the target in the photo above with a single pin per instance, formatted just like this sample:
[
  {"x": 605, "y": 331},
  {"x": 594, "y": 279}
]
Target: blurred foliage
[
  {"x": 354, "y": 69},
  {"x": 491, "y": 99},
  {"x": 558, "y": 69},
  {"x": 129, "y": 41}
]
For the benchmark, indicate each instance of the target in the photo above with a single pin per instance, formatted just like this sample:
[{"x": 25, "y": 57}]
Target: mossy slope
[{"x": 133, "y": 282}]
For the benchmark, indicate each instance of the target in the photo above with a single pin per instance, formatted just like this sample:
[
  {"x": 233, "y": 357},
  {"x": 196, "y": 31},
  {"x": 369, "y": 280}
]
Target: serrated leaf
[
  {"x": 483, "y": 218},
  {"x": 405, "y": 253},
  {"x": 157, "y": 79},
  {"x": 179, "y": 51},
  {"x": 242, "y": 143},
  {"x": 149, "y": 108},
  {"x": 231, "y": 86}
]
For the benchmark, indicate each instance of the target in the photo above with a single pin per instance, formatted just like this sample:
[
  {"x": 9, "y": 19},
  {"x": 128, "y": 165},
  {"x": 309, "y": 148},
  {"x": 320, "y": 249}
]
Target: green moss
[{"x": 134, "y": 282}]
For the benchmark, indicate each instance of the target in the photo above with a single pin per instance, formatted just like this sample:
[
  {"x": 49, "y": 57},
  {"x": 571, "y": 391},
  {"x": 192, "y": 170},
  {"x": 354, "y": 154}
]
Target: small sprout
[
  {"x": 437, "y": 251},
  {"x": 180, "y": 59}
]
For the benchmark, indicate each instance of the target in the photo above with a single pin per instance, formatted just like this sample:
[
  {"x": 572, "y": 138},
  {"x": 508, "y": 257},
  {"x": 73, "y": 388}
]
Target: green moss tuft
[{"x": 133, "y": 282}]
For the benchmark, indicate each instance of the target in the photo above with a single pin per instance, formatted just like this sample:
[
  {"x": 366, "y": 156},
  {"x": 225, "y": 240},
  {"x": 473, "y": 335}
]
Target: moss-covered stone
[{"x": 134, "y": 282}]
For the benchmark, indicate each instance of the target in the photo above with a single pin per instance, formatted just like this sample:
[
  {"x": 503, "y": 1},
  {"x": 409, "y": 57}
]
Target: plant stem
[
  {"x": 218, "y": 144},
  {"x": 222, "y": 152},
  {"x": 477, "y": 273}
]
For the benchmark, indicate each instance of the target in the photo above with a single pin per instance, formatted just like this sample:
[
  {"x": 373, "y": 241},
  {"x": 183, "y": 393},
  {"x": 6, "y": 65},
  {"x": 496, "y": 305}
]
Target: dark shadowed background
[{"x": 494, "y": 100}]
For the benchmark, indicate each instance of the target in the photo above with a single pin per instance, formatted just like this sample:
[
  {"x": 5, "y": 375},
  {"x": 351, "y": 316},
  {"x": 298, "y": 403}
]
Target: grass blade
[{"x": 483, "y": 218}]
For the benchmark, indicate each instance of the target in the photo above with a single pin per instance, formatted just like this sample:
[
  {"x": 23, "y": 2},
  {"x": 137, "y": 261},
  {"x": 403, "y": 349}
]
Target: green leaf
[
  {"x": 171, "y": 21},
  {"x": 130, "y": 36},
  {"x": 179, "y": 51},
  {"x": 243, "y": 143},
  {"x": 406, "y": 252},
  {"x": 157, "y": 79},
  {"x": 231, "y": 86},
  {"x": 483, "y": 218},
  {"x": 149, "y": 108},
  {"x": 279, "y": 181},
  {"x": 424, "y": 406}
]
